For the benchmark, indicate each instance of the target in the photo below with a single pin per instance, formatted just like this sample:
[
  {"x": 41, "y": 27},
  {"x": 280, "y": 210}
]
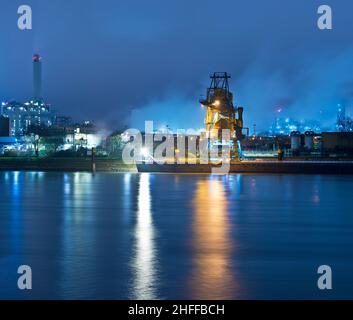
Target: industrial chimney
[{"x": 37, "y": 77}]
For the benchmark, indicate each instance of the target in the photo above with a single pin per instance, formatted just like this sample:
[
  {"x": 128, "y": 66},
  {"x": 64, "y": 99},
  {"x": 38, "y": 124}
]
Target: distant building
[
  {"x": 285, "y": 126},
  {"x": 4, "y": 127},
  {"x": 22, "y": 115},
  {"x": 84, "y": 135},
  {"x": 34, "y": 112},
  {"x": 62, "y": 121},
  {"x": 344, "y": 123},
  {"x": 337, "y": 142},
  {"x": 308, "y": 142},
  {"x": 86, "y": 127}
]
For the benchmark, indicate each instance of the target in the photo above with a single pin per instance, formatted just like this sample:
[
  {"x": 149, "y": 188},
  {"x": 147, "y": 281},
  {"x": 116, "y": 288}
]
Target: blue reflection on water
[{"x": 121, "y": 236}]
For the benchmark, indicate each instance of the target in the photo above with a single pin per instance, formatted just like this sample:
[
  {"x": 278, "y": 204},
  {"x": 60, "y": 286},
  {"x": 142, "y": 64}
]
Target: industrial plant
[
  {"x": 33, "y": 128},
  {"x": 23, "y": 124},
  {"x": 33, "y": 112}
]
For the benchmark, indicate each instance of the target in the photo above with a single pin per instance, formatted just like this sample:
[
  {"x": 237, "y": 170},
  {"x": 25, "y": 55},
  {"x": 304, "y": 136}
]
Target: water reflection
[
  {"x": 144, "y": 260},
  {"x": 15, "y": 213},
  {"x": 127, "y": 201},
  {"x": 116, "y": 236},
  {"x": 78, "y": 233},
  {"x": 212, "y": 276}
]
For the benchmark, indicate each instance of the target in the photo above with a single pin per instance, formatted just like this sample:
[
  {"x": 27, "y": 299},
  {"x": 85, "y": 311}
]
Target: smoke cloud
[{"x": 118, "y": 62}]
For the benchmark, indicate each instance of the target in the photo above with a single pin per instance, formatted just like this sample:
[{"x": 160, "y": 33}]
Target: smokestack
[{"x": 37, "y": 77}]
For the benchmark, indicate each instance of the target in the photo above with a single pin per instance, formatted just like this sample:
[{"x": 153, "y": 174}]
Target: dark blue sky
[{"x": 122, "y": 62}]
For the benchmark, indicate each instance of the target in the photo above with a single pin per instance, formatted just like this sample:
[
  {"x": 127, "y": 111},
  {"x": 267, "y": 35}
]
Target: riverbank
[
  {"x": 263, "y": 166},
  {"x": 64, "y": 164},
  {"x": 117, "y": 165}
]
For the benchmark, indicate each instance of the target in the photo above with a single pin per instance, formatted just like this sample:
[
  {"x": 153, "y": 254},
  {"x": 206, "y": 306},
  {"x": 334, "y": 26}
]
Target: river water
[{"x": 150, "y": 236}]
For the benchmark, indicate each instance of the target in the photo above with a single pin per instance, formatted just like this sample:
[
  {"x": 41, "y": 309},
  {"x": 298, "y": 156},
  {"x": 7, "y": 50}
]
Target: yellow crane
[{"x": 221, "y": 114}]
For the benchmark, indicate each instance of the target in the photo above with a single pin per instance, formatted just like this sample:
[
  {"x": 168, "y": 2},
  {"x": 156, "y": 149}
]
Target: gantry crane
[{"x": 221, "y": 114}]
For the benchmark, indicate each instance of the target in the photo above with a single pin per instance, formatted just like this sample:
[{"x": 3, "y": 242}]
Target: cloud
[{"x": 117, "y": 61}]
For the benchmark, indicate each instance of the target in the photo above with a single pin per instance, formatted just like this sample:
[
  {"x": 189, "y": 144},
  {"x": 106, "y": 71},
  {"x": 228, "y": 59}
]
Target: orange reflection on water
[{"x": 212, "y": 276}]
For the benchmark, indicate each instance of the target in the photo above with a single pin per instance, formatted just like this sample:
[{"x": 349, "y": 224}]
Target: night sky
[{"x": 122, "y": 62}]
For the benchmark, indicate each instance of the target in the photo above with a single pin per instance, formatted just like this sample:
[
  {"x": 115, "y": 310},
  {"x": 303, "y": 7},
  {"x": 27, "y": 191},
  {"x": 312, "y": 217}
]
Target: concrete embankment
[
  {"x": 292, "y": 167},
  {"x": 64, "y": 164},
  {"x": 111, "y": 165}
]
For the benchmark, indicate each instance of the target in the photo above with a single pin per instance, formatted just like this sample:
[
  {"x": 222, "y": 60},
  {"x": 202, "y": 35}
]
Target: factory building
[
  {"x": 307, "y": 143},
  {"x": 337, "y": 142},
  {"x": 4, "y": 127},
  {"x": 34, "y": 112},
  {"x": 63, "y": 121},
  {"x": 22, "y": 115},
  {"x": 344, "y": 123},
  {"x": 340, "y": 143}
]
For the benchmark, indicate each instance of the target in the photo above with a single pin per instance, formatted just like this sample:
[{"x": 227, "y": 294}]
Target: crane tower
[{"x": 221, "y": 114}]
